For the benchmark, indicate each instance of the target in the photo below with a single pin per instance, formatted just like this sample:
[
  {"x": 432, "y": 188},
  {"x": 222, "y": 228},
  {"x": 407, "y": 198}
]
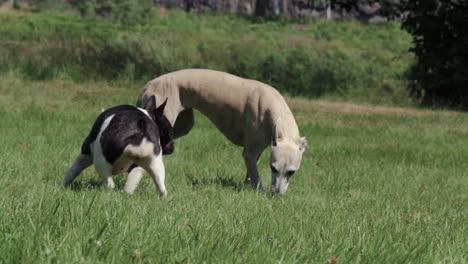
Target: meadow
[
  {"x": 377, "y": 185},
  {"x": 381, "y": 182}
]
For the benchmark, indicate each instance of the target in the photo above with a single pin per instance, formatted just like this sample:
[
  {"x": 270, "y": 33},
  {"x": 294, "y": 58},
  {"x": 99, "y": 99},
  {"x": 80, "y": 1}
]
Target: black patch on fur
[
  {"x": 132, "y": 167},
  {"x": 166, "y": 133},
  {"x": 86, "y": 146},
  {"x": 128, "y": 126}
]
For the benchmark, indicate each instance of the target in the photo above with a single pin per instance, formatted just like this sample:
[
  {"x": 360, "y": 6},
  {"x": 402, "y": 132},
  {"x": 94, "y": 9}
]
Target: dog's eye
[
  {"x": 273, "y": 169},
  {"x": 290, "y": 173}
]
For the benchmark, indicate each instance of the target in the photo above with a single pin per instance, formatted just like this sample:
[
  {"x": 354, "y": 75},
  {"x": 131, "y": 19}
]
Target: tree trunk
[{"x": 261, "y": 7}]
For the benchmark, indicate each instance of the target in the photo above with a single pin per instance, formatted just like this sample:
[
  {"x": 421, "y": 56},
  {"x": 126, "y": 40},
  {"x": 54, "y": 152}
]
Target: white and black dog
[{"x": 127, "y": 138}]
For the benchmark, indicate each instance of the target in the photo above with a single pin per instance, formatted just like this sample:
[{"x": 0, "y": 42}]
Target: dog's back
[
  {"x": 120, "y": 136},
  {"x": 125, "y": 125},
  {"x": 237, "y": 106}
]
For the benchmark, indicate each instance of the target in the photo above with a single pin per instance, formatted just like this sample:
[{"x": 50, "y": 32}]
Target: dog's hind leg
[
  {"x": 251, "y": 158},
  {"x": 107, "y": 179},
  {"x": 155, "y": 167},
  {"x": 81, "y": 162},
  {"x": 184, "y": 123},
  {"x": 134, "y": 176},
  {"x": 105, "y": 170}
]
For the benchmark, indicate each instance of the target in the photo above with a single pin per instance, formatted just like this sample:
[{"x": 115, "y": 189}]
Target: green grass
[{"x": 377, "y": 185}]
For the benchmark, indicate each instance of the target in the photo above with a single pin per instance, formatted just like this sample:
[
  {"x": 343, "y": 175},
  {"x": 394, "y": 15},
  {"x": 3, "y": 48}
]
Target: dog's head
[
  {"x": 166, "y": 132},
  {"x": 285, "y": 160}
]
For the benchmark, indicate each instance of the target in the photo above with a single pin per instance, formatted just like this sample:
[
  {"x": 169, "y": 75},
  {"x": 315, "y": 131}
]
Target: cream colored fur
[{"x": 249, "y": 113}]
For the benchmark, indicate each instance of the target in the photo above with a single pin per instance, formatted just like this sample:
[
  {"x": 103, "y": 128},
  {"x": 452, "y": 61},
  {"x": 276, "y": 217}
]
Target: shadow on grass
[
  {"x": 228, "y": 183},
  {"x": 86, "y": 185},
  {"x": 221, "y": 179},
  {"x": 95, "y": 184}
]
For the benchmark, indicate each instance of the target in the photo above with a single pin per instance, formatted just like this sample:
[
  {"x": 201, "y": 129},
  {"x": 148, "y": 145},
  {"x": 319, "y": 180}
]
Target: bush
[
  {"x": 440, "y": 75},
  {"x": 125, "y": 12}
]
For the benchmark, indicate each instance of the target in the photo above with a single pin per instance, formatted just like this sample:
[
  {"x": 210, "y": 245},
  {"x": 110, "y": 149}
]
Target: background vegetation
[
  {"x": 440, "y": 75},
  {"x": 115, "y": 39},
  {"x": 317, "y": 58}
]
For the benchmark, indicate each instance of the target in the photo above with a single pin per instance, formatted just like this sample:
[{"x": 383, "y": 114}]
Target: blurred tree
[
  {"x": 440, "y": 37},
  {"x": 261, "y": 7},
  {"x": 15, "y": 4},
  {"x": 126, "y": 12}
]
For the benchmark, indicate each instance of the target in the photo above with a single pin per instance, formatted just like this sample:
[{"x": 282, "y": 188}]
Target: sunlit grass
[{"x": 377, "y": 185}]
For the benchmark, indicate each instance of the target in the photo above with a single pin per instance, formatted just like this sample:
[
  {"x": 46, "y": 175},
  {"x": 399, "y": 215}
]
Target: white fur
[
  {"x": 103, "y": 167},
  {"x": 155, "y": 167},
  {"x": 280, "y": 185},
  {"x": 144, "y": 111},
  {"x": 144, "y": 150},
  {"x": 133, "y": 179}
]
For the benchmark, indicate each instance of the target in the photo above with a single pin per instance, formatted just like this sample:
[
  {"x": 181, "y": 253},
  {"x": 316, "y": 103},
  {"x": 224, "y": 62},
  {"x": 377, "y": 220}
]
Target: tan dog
[{"x": 250, "y": 114}]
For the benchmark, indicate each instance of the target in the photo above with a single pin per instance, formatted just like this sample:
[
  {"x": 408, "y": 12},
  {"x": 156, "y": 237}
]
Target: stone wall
[{"x": 366, "y": 10}]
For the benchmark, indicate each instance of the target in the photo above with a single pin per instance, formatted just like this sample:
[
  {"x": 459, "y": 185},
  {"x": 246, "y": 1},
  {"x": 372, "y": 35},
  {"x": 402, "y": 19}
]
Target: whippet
[
  {"x": 249, "y": 113},
  {"x": 127, "y": 138}
]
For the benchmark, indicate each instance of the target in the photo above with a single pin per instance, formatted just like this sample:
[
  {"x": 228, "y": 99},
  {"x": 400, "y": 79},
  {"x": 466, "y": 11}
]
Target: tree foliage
[
  {"x": 440, "y": 36},
  {"x": 124, "y": 12}
]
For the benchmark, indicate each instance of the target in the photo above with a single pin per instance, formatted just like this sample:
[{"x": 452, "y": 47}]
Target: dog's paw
[{"x": 163, "y": 195}]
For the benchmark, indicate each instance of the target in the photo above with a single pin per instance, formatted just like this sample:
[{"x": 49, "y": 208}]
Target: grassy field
[{"x": 377, "y": 185}]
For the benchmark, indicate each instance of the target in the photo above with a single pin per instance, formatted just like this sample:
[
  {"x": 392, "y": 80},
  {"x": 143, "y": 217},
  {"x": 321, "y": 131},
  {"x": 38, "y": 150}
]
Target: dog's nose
[
  {"x": 278, "y": 190},
  {"x": 168, "y": 149}
]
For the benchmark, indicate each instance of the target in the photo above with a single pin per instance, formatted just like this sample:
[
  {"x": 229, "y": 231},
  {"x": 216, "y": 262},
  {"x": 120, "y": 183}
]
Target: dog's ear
[
  {"x": 302, "y": 144},
  {"x": 277, "y": 134},
  {"x": 159, "y": 112},
  {"x": 151, "y": 104}
]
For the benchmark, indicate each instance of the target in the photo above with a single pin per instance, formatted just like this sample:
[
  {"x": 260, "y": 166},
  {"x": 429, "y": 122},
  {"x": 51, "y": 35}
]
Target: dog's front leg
[
  {"x": 133, "y": 179},
  {"x": 156, "y": 169},
  {"x": 184, "y": 123},
  {"x": 81, "y": 162},
  {"x": 252, "y": 177}
]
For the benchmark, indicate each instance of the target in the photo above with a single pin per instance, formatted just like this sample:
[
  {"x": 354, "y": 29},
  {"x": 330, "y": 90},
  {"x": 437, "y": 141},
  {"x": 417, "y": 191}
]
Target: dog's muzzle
[
  {"x": 168, "y": 149},
  {"x": 279, "y": 185}
]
